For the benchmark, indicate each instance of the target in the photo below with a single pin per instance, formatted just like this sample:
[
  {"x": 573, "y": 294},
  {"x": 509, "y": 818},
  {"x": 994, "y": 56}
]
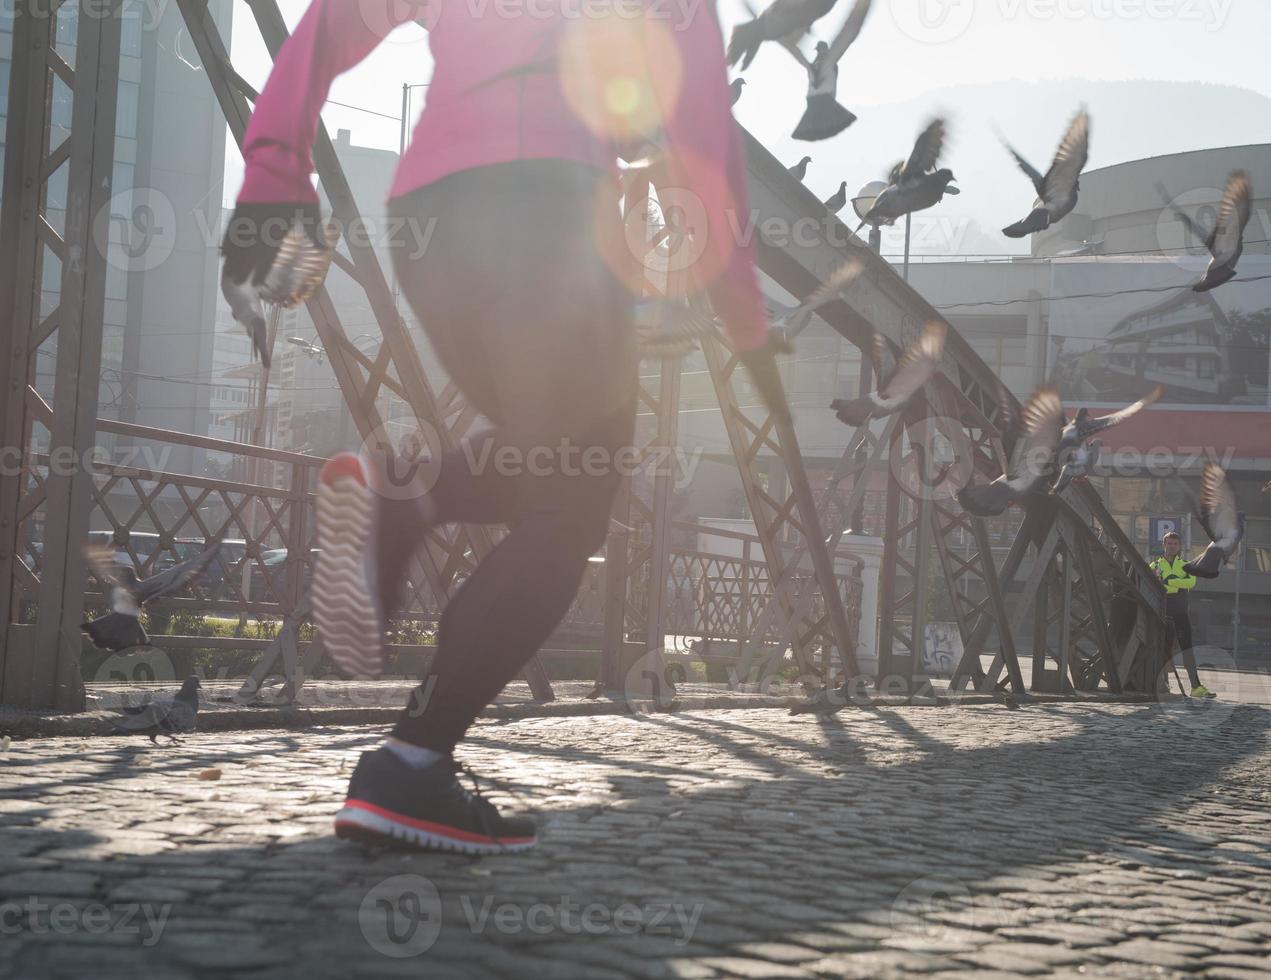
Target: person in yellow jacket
[{"x": 1179, "y": 580}]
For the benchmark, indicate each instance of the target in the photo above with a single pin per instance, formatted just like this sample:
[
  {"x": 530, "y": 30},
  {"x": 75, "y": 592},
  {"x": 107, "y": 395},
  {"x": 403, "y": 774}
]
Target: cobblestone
[{"x": 1065, "y": 840}]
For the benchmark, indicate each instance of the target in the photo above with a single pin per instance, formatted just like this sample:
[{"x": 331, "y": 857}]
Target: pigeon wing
[
  {"x": 830, "y": 290},
  {"x": 791, "y": 18},
  {"x": 176, "y": 576},
  {"x": 926, "y": 151},
  {"x": 669, "y": 329},
  {"x": 180, "y": 717},
  {"x": 1041, "y": 421},
  {"x": 917, "y": 364},
  {"x": 1070, "y": 160},
  {"x": 300, "y": 267},
  {"x": 1233, "y": 214},
  {"x": 1039, "y": 182},
  {"x": 848, "y": 33},
  {"x": 882, "y": 360},
  {"x": 102, "y": 561},
  {"x": 1196, "y": 230},
  {"x": 1218, "y": 505},
  {"x": 784, "y": 40},
  {"x": 1091, "y": 426}
]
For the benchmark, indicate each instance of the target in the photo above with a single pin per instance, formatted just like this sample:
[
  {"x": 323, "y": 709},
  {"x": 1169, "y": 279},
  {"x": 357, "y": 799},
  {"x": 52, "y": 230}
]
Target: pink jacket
[{"x": 497, "y": 94}]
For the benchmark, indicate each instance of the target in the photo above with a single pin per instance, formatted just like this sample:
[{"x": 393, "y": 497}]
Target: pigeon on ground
[
  {"x": 836, "y": 200},
  {"x": 1222, "y": 522},
  {"x": 121, "y": 628},
  {"x": 915, "y": 184},
  {"x": 1059, "y": 187},
  {"x": 1226, "y": 241},
  {"x": 299, "y": 268},
  {"x": 824, "y": 116},
  {"x": 170, "y": 718},
  {"x": 1032, "y": 460},
  {"x": 735, "y": 87},
  {"x": 790, "y": 321},
  {"x": 785, "y": 21},
  {"x": 1079, "y": 463},
  {"x": 913, "y": 370},
  {"x": 1082, "y": 427},
  {"x": 800, "y": 169}
]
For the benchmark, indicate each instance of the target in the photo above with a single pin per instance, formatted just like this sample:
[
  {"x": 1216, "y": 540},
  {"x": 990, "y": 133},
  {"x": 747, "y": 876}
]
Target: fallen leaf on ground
[{"x": 210, "y": 775}]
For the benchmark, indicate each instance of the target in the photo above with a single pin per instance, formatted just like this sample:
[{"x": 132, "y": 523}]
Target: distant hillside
[{"x": 1131, "y": 120}]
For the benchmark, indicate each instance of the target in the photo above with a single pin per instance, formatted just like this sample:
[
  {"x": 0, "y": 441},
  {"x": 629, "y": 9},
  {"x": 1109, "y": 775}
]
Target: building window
[
  {"x": 130, "y": 29},
  {"x": 126, "y": 110},
  {"x": 1258, "y": 545}
]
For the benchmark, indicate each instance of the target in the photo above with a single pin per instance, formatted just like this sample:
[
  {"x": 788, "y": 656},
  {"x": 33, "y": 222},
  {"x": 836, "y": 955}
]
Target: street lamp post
[
  {"x": 861, "y": 204},
  {"x": 407, "y": 88}
]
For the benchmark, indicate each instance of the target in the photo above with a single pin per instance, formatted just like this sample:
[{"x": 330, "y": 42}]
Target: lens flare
[{"x": 620, "y": 76}]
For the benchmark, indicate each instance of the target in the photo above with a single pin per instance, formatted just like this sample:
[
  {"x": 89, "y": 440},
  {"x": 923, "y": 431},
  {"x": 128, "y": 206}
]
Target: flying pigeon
[
  {"x": 168, "y": 718},
  {"x": 914, "y": 184},
  {"x": 1032, "y": 461},
  {"x": 667, "y": 328},
  {"x": 800, "y": 169},
  {"x": 121, "y": 628},
  {"x": 1226, "y": 241},
  {"x": 790, "y": 321},
  {"x": 1082, "y": 427},
  {"x": 824, "y": 116},
  {"x": 1221, "y": 521},
  {"x": 836, "y": 200},
  {"x": 735, "y": 87},
  {"x": 1079, "y": 463},
  {"x": 913, "y": 370},
  {"x": 785, "y": 21},
  {"x": 1058, "y": 188},
  {"x": 297, "y": 270}
]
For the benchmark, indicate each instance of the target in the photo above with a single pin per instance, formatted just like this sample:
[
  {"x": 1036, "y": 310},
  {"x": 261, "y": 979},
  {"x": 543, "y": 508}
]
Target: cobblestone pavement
[{"x": 1114, "y": 840}]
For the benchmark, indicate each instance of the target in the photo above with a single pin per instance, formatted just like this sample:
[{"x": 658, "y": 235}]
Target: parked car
[{"x": 278, "y": 567}]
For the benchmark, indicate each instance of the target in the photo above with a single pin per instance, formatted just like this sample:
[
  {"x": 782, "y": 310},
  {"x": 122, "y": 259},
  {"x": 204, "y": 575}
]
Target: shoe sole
[
  {"x": 365, "y": 826},
  {"x": 345, "y": 607}
]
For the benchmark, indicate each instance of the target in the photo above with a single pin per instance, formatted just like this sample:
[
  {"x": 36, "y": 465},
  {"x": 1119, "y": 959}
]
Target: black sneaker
[
  {"x": 365, "y": 539},
  {"x": 390, "y": 802}
]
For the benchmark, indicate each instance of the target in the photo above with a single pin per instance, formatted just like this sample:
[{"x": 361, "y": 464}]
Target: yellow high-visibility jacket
[{"x": 1172, "y": 575}]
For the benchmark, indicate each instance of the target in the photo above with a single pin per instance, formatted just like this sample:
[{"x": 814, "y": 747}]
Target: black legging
[
  {"x": 530, "y": 322},
  {"x": 1176, "y": 610}
]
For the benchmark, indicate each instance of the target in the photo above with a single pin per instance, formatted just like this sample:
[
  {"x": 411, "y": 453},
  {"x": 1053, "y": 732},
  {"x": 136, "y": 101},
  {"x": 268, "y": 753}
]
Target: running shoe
[
  {"x": 1201, "y": 691},
  {"x": 365, "y": 540},
  {"x": 390, "y": 802}
]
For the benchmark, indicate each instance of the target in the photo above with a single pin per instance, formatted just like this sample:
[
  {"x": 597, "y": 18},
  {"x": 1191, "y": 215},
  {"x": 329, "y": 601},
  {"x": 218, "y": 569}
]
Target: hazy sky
[{"x": 908, "y": 48}]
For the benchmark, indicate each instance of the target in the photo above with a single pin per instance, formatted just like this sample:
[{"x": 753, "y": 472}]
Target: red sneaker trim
[
  {"x": 343, "y": 464},
  {"x": 440, "y": 829}
]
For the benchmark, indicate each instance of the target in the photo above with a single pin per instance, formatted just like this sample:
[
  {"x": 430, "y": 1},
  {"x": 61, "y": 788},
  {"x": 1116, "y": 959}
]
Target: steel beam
[{"x": 51, "y": 677}]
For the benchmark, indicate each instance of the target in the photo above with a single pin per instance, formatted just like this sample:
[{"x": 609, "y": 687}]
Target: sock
[{"x": 415, "y": 756}]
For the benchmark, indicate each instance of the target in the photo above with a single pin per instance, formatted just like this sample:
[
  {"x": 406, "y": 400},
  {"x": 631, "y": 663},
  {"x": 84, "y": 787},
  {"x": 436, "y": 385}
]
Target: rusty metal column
[
  {"x": 659, "y": 546},
  {"x": 891, "y": 663},
  {"x": 26, "y": 142},
  {"x": 53, "y": 679},
  {"x": 617, "y": 559}
]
